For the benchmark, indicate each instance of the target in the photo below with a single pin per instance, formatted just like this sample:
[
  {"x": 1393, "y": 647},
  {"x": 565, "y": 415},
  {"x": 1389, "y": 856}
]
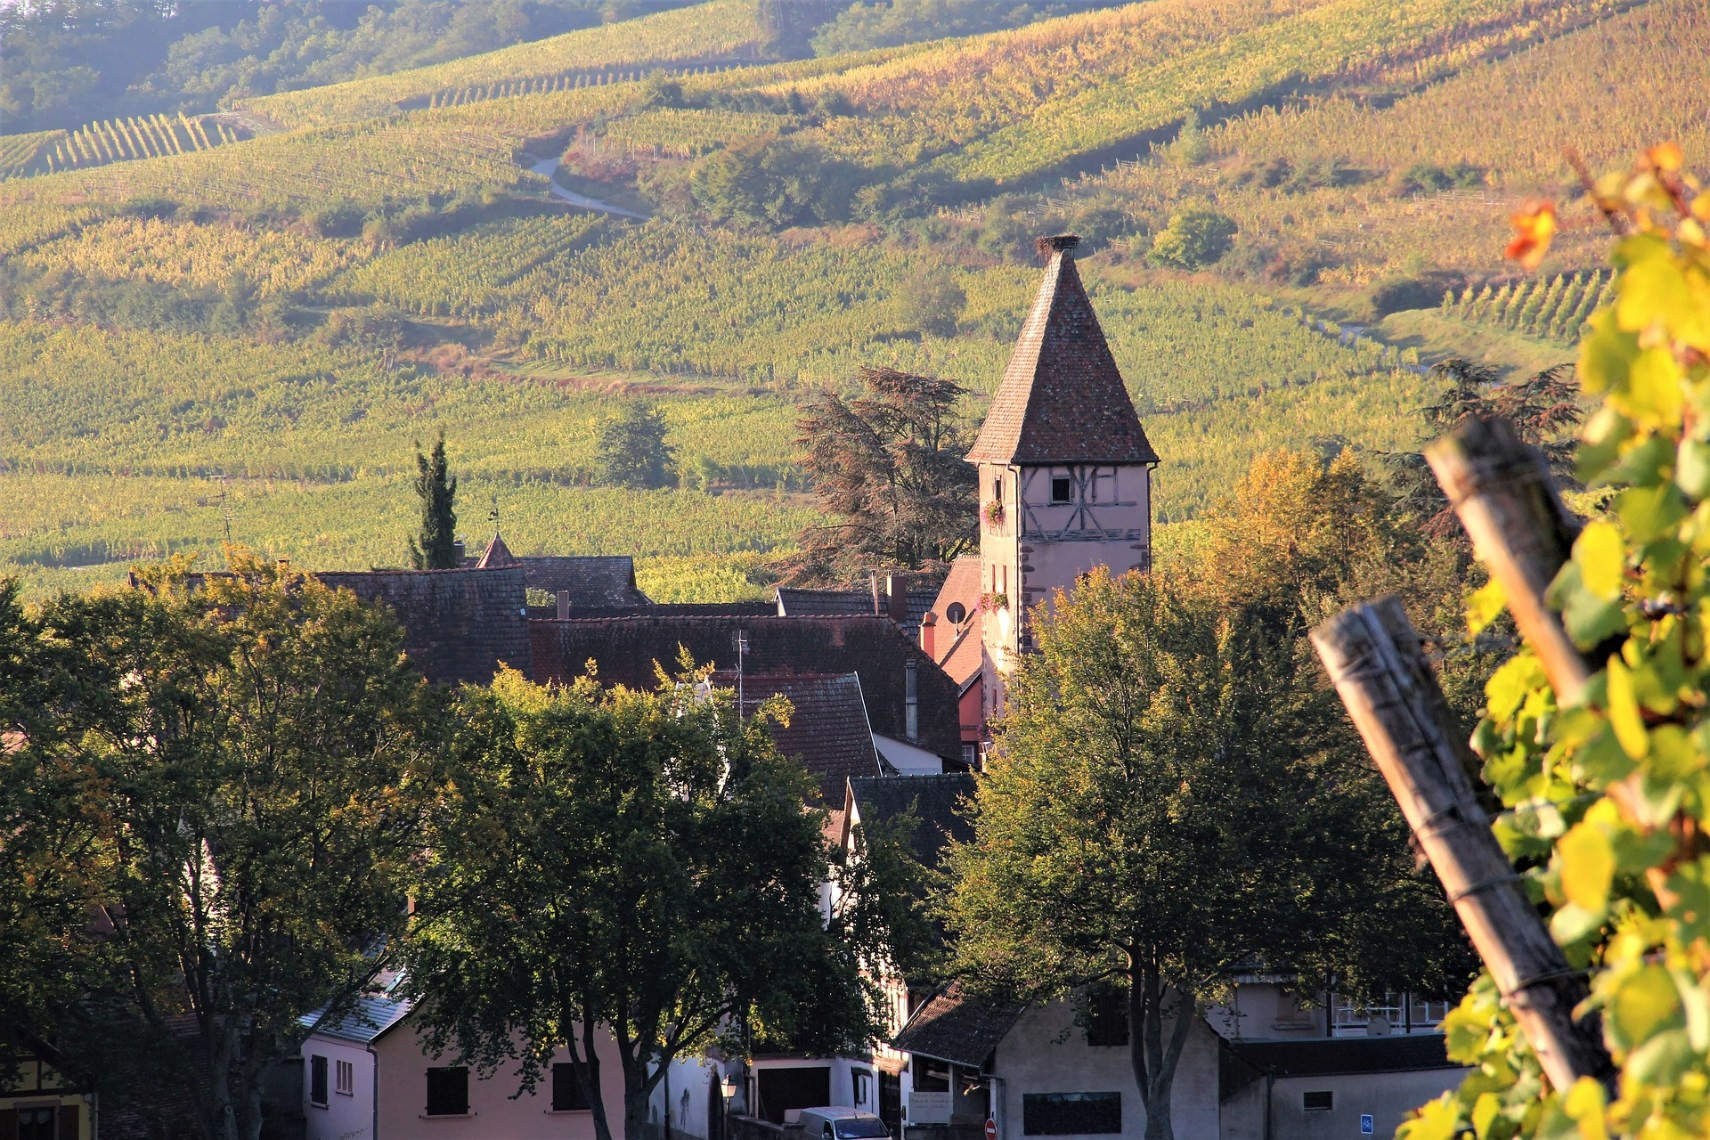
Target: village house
[{"x": 367, "y": 1074}]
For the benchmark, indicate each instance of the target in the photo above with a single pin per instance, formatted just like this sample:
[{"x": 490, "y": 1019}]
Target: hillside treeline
[{"x": 74, "y": 61}]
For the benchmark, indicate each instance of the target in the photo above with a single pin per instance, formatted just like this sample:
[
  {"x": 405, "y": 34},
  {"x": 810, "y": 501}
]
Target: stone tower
[{"x": 1065, "y": 467}]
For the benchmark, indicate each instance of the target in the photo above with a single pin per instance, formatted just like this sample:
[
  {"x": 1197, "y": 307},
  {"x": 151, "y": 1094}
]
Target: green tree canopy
[
  {"x": 634, "y": 862},
  {"x": 631, "y": 449},
  {"x": 231, "y": 779},
  {"x": 888, "y": 464},
  {"x": 435, "y": 545},
  {"x": 1130, "y": 828}
]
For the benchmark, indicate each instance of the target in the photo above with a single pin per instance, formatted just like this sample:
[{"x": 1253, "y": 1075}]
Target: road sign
[
  {"x": 1366, "y": 1125},
  {"x": 991, "y": 1129}
]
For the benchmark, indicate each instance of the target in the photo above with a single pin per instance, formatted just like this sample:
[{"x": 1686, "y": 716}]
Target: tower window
[
  {"x": 1062, "y": 488},
  {"x": 997, "y": 489}
]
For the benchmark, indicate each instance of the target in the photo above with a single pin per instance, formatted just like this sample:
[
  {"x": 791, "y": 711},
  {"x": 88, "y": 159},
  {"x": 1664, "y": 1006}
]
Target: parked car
[{"x": 837, "y": 1123}]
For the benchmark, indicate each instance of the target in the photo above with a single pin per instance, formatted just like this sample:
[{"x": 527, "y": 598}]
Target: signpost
[
  {"x": 991, "y": 1129},
  {"x": 1366, "y": 1124}
]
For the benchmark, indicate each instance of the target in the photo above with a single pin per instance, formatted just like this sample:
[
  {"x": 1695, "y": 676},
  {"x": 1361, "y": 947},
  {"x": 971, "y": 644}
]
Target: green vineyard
[
  {"x": 1553, "y": 309},
  {"x": 689, "y": 133}
]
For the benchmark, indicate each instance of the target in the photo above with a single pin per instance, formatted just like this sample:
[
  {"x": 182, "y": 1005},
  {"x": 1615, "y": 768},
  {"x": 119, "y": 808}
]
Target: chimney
[
  {"x": 563, "y": 604},
  {"x": 911, "y": 699},
  {"x": 1055, "y": 243},
  {"x": 896, "y": 597},
  {"x": 929, "y": 634},
  {"x": 457, "y": 548}
]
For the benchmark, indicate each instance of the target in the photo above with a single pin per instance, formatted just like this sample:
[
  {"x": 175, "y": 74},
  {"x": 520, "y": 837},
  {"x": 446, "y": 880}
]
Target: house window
[
  {"x": 36, "y": 1124},
  {"x": 1322, "y": 1101},
  {"x": 318, "y": 1081},
  {"x": 860, "y": 1085},
  {"x": 448, "y": 1091},
  {"x": 1107, "y": 1017},
  {"x": 567, "y": 1092},
  {"x": 344, "y": 1073},
  {"x": 1071, "y": 1114},
  {"x": 1062, "y": 489},
  {"x": 997, "y": 489}
]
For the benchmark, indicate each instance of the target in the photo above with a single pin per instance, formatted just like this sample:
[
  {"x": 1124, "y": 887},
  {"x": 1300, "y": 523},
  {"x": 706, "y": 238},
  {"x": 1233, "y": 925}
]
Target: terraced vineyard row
[
  {"x": 182, "y": 253},
  {"x": 467, "y": 274},
  {"x": 1552, "y": 309},
  {"x": 1339, "y": 38},
  {"x": 686, "y": 133},
  {"x": 1545, "y": 101},
  {"x": 686, "y": 37}
]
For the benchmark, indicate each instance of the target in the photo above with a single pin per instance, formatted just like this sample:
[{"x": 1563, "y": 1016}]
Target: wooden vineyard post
[
  {"x": 1502, "y": 492},
  {"x": 1373, "y": 657}
]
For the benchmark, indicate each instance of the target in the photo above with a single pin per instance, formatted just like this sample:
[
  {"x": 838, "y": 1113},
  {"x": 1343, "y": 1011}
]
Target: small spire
[{"x": 1055, "y": 243}]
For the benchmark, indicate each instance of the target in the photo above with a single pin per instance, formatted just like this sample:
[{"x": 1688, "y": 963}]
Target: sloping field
[{"x": 717, "y": 32}]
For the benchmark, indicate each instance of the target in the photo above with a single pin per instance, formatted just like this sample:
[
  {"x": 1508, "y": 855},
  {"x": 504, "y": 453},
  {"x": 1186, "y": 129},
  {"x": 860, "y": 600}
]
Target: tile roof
[
  {"x": 1323, "y": 1057},
  {"x": 797, "y": 602},
  {"x": 625, "y": 649},
  {"x": 364, "y": 1022},
  {"x": 935, "y": 801},
  {"x": 459, "y": 625},
  {"x": 828, "y": 733},
  {"x": 1061, "y": 399},
  {"x": 957, "y": 1026},
  {"x": 496, "y": 555},
  {"x": 594, "y": 582}
]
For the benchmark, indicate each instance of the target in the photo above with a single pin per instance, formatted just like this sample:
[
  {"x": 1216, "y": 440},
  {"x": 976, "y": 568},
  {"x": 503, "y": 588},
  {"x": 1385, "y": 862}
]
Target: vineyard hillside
[{"x": 1290, "y": 209}]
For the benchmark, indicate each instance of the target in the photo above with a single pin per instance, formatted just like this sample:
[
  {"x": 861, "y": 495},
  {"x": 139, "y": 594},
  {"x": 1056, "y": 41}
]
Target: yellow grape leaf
[
  {"x": 1624, "y": 715},
  {"x": 1587, "y": 866},
  {"x": 1483, "y": 606},
  {"x": 1602, "y": 559}
]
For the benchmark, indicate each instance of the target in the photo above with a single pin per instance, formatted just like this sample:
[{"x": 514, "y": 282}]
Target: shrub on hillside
[
  {"x": 1194, "y": 238},
  {"x": 1426, "y": 178}
]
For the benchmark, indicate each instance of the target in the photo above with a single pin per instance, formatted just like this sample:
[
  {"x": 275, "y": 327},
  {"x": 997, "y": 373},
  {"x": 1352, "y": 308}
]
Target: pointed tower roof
[
  {"x": 1062, "y": 399},
  {"x": 497, "y": 555}
]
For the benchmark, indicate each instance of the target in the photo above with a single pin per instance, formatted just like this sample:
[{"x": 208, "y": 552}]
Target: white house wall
[
  {"x": 1047, "y": 1052},
  {"x": 345, "y": 1116},
  {"x": 1388, "y": 1098}
]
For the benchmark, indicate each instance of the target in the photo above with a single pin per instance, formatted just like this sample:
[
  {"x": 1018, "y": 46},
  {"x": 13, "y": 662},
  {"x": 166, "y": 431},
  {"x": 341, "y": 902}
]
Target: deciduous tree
[
  {"x": 631, "y": 449},
  {"x": 1169, "y": 802},
  {"x": 638, "y": 863},
  {"x": 219, "y": 791}
]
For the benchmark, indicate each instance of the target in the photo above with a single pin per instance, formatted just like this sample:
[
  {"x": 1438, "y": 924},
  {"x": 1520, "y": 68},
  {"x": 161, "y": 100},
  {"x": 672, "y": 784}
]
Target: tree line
[{"x": 219, "y": 792}]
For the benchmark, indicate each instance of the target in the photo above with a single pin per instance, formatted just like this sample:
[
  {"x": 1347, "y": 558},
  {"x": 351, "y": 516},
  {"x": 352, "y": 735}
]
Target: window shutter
[
  {"x": 70, "y": 1122},
  {"x": 8, "y": 1124}
]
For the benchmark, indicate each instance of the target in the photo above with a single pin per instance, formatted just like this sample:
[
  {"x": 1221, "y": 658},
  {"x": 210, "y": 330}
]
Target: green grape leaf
[{"x": 1644, "y": 1002}]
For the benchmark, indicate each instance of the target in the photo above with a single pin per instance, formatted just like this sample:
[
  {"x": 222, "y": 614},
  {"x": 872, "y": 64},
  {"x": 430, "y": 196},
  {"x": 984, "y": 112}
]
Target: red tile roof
[
  {"x": 627, "y": 647},
  {"x": 1062, "y": 399},
  {"x": 496, "y": 555}
]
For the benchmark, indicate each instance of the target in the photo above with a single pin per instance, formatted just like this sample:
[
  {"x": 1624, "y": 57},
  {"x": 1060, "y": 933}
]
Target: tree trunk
[
  {"x": 1152, "y": 1057},
  {"x": 636, "y": 1089}
]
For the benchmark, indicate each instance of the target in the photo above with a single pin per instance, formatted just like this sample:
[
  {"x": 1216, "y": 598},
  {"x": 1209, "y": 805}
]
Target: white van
[{"x": 836, "y": 1123}]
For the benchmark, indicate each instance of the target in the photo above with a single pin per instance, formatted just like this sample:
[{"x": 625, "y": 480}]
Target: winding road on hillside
[{"x": 549, "y": 167}]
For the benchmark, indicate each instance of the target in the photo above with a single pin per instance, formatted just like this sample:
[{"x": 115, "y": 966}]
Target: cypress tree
[{"x": 435, "y": 548}]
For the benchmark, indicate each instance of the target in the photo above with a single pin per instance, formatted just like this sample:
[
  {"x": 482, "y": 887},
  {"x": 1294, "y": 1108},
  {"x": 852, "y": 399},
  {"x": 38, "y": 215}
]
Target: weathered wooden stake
[
  {"x": 1502, "y": 492},
  {"x": 1373, "y": 657}
]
